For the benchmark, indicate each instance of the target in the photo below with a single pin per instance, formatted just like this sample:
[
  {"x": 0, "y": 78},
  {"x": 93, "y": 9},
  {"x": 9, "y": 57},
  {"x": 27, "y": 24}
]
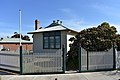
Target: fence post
[
  {"x": 21, "y": 70},
  {"x": 64, "y": 61},
  {"x": 87, "y": 60},
  {"x": 79, "y": 57},
  {"x": 114, "y": 57}
]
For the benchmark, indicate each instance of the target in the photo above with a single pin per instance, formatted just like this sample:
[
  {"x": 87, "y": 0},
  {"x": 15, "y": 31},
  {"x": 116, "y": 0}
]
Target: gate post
[
  {"x": 87, "y": 60},
  {"x": 79, "y": 58},
  {"x": 114, "y": 57},
  {"x": 21, "y": 70},
  {"x": 64, "y": 58}
]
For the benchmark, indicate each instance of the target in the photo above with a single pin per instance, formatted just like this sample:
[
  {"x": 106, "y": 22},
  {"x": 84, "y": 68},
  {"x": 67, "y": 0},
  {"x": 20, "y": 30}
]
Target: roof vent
[
  {"x": 53, "y": 21},
  {"x": 58, "y": 21},
  {"x": 1, "y": 39}
]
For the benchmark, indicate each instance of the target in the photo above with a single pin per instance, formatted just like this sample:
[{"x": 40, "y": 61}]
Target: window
[
  {"x": 51, "y": 40},
  {"x": 45, "y": 42}
]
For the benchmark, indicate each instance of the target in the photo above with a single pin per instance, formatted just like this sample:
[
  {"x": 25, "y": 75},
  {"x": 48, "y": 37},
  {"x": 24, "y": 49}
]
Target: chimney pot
[
  {"x": 58, "y": 21},
  {"x": 53, "y": 21}
]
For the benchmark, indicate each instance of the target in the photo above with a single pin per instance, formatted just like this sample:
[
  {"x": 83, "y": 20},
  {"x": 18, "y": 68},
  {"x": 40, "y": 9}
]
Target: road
[
  {"x": 103, "y": 75},
  {"x": 3, "y": 72}
]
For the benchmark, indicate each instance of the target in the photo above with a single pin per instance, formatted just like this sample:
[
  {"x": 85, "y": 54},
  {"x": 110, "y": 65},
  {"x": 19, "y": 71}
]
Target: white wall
[
  {"x": 69, "y": 42},
  {"x": 38, "y": 42}
]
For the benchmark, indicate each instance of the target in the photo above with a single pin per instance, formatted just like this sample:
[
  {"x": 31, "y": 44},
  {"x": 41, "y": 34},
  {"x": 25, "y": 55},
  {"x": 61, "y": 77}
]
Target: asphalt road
[
  {"x": 103, "y": 75},
  {"x": 3, "y": 72}
]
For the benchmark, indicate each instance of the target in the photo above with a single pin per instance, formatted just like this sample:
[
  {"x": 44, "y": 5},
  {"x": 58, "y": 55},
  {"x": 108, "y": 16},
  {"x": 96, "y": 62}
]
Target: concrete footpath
[{"x": 104, "y": 75}]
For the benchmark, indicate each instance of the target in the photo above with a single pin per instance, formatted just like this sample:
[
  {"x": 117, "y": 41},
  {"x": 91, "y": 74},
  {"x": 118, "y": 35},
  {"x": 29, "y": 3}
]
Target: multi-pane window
[{"x": 51, "y": 40}]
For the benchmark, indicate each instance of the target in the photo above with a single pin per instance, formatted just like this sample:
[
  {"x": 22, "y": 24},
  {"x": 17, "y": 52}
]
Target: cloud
[
  {"x": 4, "y": 34},
  {"x": 8, "y": 29},
  {"x": 66, "y": 10},
  {"x": 108, "y": 10},
  {"x": 72, "y": 19},
  {"x": 69, "y": 13},
  {"x": 74, "y": 24},
  {"x": 80, "y": 24},
  {"x": 29, "y": 26},
  {"x": 7, "y": 24}
]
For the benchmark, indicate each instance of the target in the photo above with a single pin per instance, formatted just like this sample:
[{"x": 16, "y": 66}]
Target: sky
[{"x": 75, "y": 14}]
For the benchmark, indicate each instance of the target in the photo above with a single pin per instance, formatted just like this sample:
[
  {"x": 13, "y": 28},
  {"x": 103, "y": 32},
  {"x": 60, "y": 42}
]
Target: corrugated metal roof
[
  {"x": 14, "y": 40},
  {"x": 54, "y": 28}
]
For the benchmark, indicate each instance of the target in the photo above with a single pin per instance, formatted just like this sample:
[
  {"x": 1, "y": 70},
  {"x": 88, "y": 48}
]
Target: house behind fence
[{"x": 50, "y": 46}]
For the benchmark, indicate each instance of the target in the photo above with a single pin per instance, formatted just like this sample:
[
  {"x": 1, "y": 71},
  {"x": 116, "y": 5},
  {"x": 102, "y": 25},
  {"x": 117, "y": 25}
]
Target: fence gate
[
  {"x": 42, "y": 62},
  {"x": 93, "y": 61}
]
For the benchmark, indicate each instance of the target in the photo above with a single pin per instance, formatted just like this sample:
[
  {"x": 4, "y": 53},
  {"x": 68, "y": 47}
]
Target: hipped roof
[{"x": 52, "y": 28}]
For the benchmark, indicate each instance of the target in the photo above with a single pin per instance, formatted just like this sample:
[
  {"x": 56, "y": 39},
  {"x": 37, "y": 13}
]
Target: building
[
  {"x": 12, "y": 44},
  {"x": 52, "y": 37}
]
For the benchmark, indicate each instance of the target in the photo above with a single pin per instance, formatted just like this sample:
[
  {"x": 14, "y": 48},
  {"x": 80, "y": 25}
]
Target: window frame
[{"x": 54, "y": 34}]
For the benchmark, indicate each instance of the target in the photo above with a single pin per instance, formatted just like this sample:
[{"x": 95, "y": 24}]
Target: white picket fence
[
  {"x": 96, "y": 60},
  {"x": 42, "y": 62}
]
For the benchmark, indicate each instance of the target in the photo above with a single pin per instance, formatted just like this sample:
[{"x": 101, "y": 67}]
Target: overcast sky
[{"x": 75, "y": 14}]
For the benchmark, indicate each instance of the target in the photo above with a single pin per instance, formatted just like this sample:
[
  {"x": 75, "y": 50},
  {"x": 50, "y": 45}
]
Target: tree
[
  {"x": 16, "y": 36},
  {"x": 97, "y": 38},
  {"x": 100, "y": 38},
  {"x": 24, "y": 37},
  {"x": 15, "y": 33}
]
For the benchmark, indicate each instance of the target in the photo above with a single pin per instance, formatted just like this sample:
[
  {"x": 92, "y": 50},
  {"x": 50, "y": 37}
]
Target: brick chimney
[{"x": 37, "y": 24}]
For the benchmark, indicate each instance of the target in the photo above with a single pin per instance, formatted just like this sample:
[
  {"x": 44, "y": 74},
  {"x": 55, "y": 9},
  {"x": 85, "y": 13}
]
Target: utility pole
[{"x": 20, "y": 29}]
